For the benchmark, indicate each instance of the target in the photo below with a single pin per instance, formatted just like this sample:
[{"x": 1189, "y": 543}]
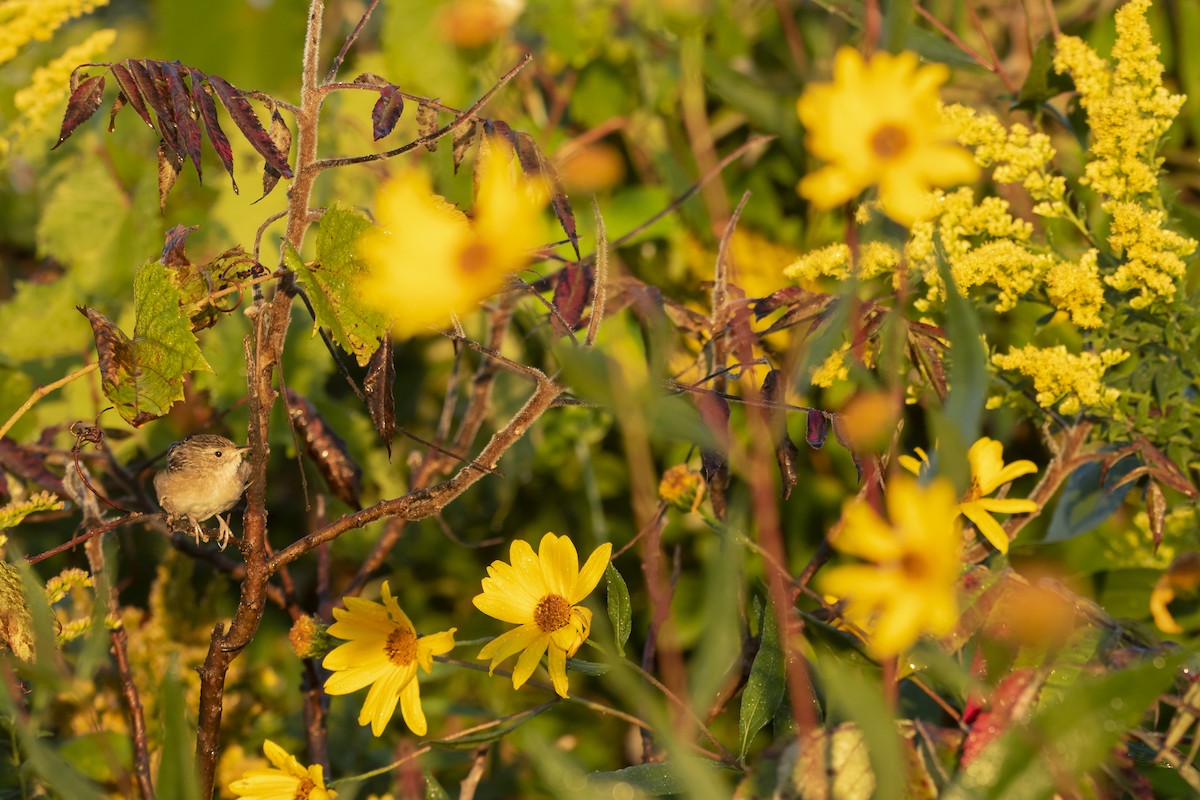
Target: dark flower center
[
  {"x": 401, "y": 647},
  {"x": 889, "y": 141},
  {"x": 552, "y": 612}
]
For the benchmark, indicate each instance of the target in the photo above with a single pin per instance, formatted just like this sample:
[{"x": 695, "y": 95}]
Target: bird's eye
[{"x": 217, "y": 453}]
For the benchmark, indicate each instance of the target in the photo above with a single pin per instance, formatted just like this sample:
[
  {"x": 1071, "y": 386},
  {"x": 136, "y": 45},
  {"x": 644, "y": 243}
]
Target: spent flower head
[
  {"x": 908, "y": 585},
  {"x": 540, "y": 592},
  {"x": 288, "y": 779},
  {"x": 384, "y": 652},
  {"x": 879, "y": 123}
]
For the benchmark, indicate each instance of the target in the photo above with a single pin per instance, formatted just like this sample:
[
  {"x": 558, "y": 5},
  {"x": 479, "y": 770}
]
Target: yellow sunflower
[
  {"x": 879, "y": 122},
  {"x": 909, "y": 586},
  {"x": 384, "y": 651},
  {"x": 539, "y": 592},
  {"x": 287, "y": 780},
  {"x": 427, "y": 260},
  {"x": 988, "y": 473}
]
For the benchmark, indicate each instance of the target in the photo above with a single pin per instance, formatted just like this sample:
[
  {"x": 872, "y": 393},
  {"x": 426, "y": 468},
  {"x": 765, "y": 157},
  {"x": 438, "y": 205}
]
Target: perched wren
[{"x": 204, "y": 477}]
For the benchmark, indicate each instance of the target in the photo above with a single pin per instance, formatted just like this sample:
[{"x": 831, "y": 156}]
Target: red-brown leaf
[
  {"x": 172, "y": 251},
  {"x": 714, "y": 465},
  {"x": 155, "y": 95},
  {"x": 117, "y": 104},
  {"x": 183, "y": 113},
  {"x": 386, "y": 112},
  {"x": 326, "y": 449},
  {"x": 817, "y": 428},
  {"x": 130, "y": 90},
  {"x": 534, "y": 163},
  {"x": 203, "y": 99},
  {"x": 1012, "y": 700},
  {"x": 28, "y": 466},
  {"x": 787, "y": 454},
  {"x": 571, "y": 292},
  {"x": 381, "y": 403},
  {"x": 247, "y": 121},
  {"x": 81, "y": 106}
]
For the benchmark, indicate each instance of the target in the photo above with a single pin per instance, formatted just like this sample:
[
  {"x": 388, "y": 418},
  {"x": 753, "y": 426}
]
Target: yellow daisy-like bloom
[
  {"x": 988, "y": 473},
  {"x": 384, "y": 651},
  {"x": 288, "y": 780},
  {"x": 539, "y": 592},
  {"x": 909, "y": 588},
  {"x": 879, "y": 122},
  {"x": 428, "y": 261}
]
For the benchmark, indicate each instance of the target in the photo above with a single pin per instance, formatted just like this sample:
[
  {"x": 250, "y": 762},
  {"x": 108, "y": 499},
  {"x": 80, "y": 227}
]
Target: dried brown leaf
[
  {"x": 1156, "y": 510},
  {"x": 427, "y": 123},
  {"x": 461, "y": 136},
  {"x": 571, "y": 292},
  {"x": 534, "y": 163},
  {"x": 816, "y": 428},
  {"x": 326, "y": 449},
  {"x": 170, "y": 164},
  {"x": 378, "y": 386},
  {"x": 281, "y": 137},
  {"x": 130, "y": 91},
  {"x": 247, "y": 122}
]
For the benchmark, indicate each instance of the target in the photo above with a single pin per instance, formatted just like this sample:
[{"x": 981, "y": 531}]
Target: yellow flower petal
[
  {"x": 509, "y": 643},
  {"x": 529, "y": 659},
  {"x": 410, "y": 708},
  {"x": 558, "y": 670},
  {"x": 560, "y": 564},
  {"x": 589, "y": 577},
  {"x": 987, "y": 525}
]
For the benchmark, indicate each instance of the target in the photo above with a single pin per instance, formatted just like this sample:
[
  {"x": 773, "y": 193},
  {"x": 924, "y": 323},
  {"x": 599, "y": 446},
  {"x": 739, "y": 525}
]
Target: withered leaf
[
  {"x": 173, "y": 247},
  {"x": 81, "y": 106},
  {"x": 817, "y": 428},
  {"x": 29, "y": 466},
  {"x": 1156, "y": 510},
  {"x": 130, "y": 90},
  {"x": 843, "y": 437},
  {"x": 571, "y": 292},
  {"x": 378, "y": 385},
  {"x": 787, "y": 455},
  {"x": 143, "y": 376},
  {"x": 534, "y": 163},
  {"x": 170, "y": 164},
  {"x": 461, "y": 136},
  {"x": 203, "y": 99},
  {"x": 183, "y": 114},
  {"x": 386, "y": 112},
  {"x": 1012, "y": 701},
  {"x": 714, "y": 465},
  {"x": 281, "y": 137},
  {"x": 247, "y": 121},
  {"x": 371, "y": 79},
  {"x": 427, "y": 123},
  {"x": 118, "y": 103},
  {"x": 327, "y": 450}
]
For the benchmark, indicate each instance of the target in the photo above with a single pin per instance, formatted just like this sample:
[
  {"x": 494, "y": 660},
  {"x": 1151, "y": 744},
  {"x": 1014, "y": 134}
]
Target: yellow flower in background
[
  {"x": 288, "y": 780},
  {"x": 540, "y": 592},
  {"x": 988, "y": 473},
  {"x": 1072, "y": 382},
  {"x": 384, "y": 651},
  {"x": 428, "y": 261},
  {"x": 909, "y": 586},
  {"x": 879, "y": 122},
  {"x": 1181, "y": 578}
]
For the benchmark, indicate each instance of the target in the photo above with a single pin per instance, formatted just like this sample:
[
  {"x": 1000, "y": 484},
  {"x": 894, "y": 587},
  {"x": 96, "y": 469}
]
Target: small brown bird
[{"x": 205, "y": 476}]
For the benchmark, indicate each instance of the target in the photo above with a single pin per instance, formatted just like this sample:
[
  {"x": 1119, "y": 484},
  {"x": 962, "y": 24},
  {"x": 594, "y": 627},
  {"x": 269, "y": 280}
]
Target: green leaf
[
  {"x": 620, "y": 611},
  {"x": 102, "y": 756},
  {"x": 433, "y": 789},
  {"x": 766, "y": 685},
  {"x": 1084, "y": 503},
  {"x": 587, "y": 667},
  {"x": 143, "y": 377},
  {"x": 655, "y": 780},
  {"x": 490, "y": 734},
  {"x": 957, "y": 426},
  {"x": 177, "y": 770},
  {"x": 1041, "y": 82},
  {"x": 332, "y": 284},
  {"x": 1088, "y": 720},
  {"x": 35, "y": 310}
]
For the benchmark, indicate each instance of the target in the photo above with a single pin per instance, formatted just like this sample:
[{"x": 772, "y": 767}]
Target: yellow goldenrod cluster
[
  {"x": 1013, "y": 269},
  {"x": 1071, "y": 381},
  {"x": 1019, "y": 156},
  {"x": 25, "y": 21},
  {"x": 1074, "y": 287},
  {"x": 1127, "y": 106},
  {"x": 12, "y": 513},
  {"x": 1153, "y": 254},
  {"x": 833, "y": 369},
  {"x": 835, "y": 261}
]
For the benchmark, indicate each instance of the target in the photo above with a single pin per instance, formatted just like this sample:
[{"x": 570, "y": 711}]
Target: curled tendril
[{"x": 93, "y": 434}]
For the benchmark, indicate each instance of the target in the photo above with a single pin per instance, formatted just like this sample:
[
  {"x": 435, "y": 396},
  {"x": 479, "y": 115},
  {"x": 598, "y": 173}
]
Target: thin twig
[
  {"x": 600, "y": 278},
  {"x": 328, "y": 163},
  {"x": 346, "y": 45}
]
